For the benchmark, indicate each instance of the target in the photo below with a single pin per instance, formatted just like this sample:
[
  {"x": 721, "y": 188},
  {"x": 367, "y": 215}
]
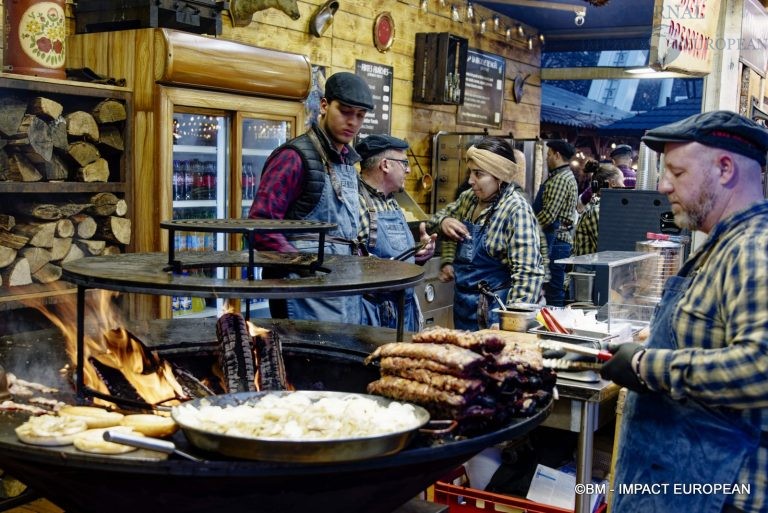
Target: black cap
[
  {"x": 349, "y": 89},
  {"x": 564, "y": 148},
  {"x": 720, "y": 129},
  {"x": 376, "y": 143},
  {"x": 621, "y": 150}
]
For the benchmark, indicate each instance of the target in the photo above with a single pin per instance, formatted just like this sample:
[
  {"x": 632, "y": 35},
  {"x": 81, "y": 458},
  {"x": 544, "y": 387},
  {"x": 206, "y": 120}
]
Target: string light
[
  {"x": 520, "y": 30},
  {"x": 454, "y": 13},
  {"x": 541, "y": 39},
  {"x": 496, "y": 22},
  {"x": 482, "y": 26},
  {"x": 470, "y": 12},
  {"x": 424, "y": 5},
  {"x": 508, "y": 34},
  {"x": 530, "y": 43}
]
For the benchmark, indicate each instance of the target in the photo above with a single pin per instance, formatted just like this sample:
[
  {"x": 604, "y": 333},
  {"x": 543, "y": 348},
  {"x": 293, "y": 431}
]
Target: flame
[{"x": 112, "y": 345}]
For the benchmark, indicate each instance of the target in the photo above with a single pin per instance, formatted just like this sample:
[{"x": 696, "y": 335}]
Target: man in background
[
  {"x": 312, "y": 177},
  {"x": 622, "y": 158},
  {"x": 697, "y": 412},
  {"x": 383, "y": 227},
  {"x": 555, "y": 207}
]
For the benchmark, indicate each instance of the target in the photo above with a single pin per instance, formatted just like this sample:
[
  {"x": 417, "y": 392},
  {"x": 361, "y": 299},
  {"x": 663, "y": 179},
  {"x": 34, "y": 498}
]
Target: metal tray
[
  {"x": 576, "y": 336},
  {"x": 286, "y": 450}
]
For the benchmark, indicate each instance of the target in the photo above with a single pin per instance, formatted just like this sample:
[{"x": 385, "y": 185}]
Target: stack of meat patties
[{"x": 481, "y": 379}]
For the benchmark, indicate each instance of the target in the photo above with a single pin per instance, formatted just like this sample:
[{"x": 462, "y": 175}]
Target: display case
[{"x": 203, "y": 132}]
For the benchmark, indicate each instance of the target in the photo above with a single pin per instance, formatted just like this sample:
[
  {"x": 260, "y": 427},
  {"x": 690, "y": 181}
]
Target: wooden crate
[{"x": 439, "y": 68}]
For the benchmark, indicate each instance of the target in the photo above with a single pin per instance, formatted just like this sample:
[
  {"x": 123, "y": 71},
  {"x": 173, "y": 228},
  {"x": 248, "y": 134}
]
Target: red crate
[{"x": 460, "y": 499}]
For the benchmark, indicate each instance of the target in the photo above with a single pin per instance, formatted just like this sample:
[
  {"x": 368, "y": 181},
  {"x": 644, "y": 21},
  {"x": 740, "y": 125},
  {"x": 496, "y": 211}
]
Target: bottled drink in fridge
[
  {"x": 189, "y": 180},
  {"x": 210, "y": 180},
  {"x": 178, "y": 181}
]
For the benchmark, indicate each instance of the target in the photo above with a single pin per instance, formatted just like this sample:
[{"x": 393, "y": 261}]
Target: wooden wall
[{"x": 350, "y": 38}]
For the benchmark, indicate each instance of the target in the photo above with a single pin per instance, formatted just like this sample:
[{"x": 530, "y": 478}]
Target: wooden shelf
[
  {"x": 74, "y": 96},
  {"x": 60, "y": 187}
]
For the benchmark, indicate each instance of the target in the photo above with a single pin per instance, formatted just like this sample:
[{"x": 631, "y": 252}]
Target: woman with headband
[{"x": 497, "y": 235}]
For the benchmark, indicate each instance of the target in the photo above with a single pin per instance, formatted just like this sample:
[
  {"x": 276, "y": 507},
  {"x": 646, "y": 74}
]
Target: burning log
[
  {"x": 271, "y": 367},
  {"x": 236, "y": 356},
  {"x": 115, "y": 381}
]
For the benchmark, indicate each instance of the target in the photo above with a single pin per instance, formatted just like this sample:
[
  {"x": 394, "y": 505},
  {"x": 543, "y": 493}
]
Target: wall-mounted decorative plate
[{"x": 383, "y": 31}]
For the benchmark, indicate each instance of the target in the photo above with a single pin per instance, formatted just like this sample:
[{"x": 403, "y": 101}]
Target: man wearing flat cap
[
  {"x": 383, "y": 227},
  {"x": 313, "y": 178},
  {"x": 697, "y": 411},
  {"x": 621, "y": 156},
  {"x": 555, "y": 207}
]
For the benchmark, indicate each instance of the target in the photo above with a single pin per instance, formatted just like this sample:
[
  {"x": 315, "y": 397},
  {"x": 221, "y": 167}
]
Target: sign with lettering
[
  {"x": 483, "y": 90},
  {"x": 379, "y": 79},
  {"x": 684, "y": 36},
  {"x": 754, "y": 36}
]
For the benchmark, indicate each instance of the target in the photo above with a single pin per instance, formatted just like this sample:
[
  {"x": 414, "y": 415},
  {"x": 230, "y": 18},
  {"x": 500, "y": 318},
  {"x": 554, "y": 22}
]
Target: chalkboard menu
[
  {"x": 379, "y": 79},
  {"x": 483, "y": 90}
]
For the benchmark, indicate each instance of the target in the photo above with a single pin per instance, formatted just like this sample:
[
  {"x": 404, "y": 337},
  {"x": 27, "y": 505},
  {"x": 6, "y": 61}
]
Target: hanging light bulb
[
  {"x": 442, "y": 3},
  {"x": 508, "y": 33},
  {"x": 496, "y": 22},
  {"x": 530, "y": 43},
  {"x": 454, "y": 13},
  {"x": 424, "y": 5},
  {"x": 541, "y": 39},
  {"x": 482, "y": 26},
  {"x": 520, "y": 31},
  {"x": 470, "y": 12}
]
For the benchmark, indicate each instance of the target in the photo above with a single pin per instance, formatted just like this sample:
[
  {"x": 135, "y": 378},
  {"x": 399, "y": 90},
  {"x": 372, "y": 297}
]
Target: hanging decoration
[{"x": 383, "y": 31}]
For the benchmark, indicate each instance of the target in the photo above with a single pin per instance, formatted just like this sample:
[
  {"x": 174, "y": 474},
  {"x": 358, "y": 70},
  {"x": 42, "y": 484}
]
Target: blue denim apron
[
  {"x": 343, "y": 212},
  {"x": 472, "y": 310},
  {"x": 663, "y": 440},
  {"x": 390, "y": 236}
]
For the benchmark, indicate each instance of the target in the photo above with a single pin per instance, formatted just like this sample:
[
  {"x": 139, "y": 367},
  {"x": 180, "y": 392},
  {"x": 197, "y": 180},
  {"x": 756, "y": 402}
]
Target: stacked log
[
  {"x": 44, "y": 140},
  {"x": 37, "y": 238}
]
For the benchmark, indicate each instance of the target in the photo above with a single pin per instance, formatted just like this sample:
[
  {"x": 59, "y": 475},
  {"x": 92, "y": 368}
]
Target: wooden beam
[
  {"x": 603, "y": 73},
  {"x": 538, "y": 5}
]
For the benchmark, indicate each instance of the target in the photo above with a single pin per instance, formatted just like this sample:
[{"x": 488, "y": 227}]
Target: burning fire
[{"x": 114, "y": 347}]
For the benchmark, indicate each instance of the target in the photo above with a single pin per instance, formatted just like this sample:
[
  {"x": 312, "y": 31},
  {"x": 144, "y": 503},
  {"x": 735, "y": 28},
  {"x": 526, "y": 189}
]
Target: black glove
[{"x": 619, "y": 368}]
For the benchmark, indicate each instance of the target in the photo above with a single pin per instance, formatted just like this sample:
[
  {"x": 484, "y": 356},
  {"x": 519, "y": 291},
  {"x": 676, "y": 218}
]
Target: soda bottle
[
  {"x": 189, "y": 180},
  {"x": 210, "y": 180},
  {"x": 178, "y": 181},
  {"x": 249, "y": 180}
]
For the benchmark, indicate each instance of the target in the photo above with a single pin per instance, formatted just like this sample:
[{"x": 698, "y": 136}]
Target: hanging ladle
[
  {"x": 427, "y": 182},
  {"x": 484, "y": 289}
]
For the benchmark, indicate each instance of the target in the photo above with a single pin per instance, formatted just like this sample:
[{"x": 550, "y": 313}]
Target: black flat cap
[
  {"x": 720, "y": 129},
  {"x": 375, "y": 144},
  {"x": 564, "y": 148},
  {"x": 349, "y": 89},
  {"x": 621, "y": 150}
]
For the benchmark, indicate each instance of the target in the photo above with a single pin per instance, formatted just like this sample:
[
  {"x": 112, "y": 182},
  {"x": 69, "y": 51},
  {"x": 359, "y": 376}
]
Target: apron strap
[{"x": 335, "y": 182}]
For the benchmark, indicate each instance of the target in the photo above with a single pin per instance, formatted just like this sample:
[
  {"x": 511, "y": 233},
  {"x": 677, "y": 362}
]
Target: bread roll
[
  {"x": 50, "y": 430},
  {"x": 150, "y": 425},
  {"x": 93, "y": 416},
  {"x": 93, "y": 441}
]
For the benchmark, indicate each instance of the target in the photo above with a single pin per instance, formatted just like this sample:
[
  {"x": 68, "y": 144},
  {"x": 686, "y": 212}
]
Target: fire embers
[{"x": 481, "y": 379}]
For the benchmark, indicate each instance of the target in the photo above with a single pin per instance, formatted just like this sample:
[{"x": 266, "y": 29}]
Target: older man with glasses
[{"x": 383, "y": 227}]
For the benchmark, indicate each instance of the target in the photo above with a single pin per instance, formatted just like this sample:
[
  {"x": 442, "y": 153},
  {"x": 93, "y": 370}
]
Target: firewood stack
[{"x": 39, "y": 142}]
